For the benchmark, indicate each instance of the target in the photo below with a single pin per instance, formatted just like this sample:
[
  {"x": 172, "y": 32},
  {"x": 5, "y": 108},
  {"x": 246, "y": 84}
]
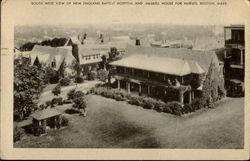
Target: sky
[{"x": 24, "y": 13}]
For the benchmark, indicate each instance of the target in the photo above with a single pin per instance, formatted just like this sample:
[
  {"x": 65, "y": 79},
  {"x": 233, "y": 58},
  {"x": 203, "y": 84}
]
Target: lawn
[{"x": 112, "y": 124}]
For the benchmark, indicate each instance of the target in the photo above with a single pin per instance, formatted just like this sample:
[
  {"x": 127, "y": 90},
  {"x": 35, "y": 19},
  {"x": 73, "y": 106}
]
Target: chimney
[{"x": 137, "y": 42}]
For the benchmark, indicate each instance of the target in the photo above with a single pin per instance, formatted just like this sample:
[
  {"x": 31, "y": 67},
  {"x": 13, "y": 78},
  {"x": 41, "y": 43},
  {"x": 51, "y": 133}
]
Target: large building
[
  {"x": 235, "y": 53},
  {"x": 153, "y": 71},
  {"x": 234, "y": 56},
  {"x": 55, "y": 57}
]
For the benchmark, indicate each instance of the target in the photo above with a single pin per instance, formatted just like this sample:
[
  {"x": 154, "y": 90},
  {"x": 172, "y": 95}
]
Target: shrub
[
  {"x": 92, "y": 75},
  {"x": 53, "y": 102},
  {"x": 167, "y": 109},
  {"x": 102, "y": 75},
  {"x": 148, "y": 103},
  {"x": 78, "y": 94},
  {"x": 79, "y": 79},
  {"x": 159, "y": 106},
  {"x": 135, "y": 100},
  {"x": 175, "y": 108},
  {"x": 79, "y": 103},
  {"x": 197, "y": 104},
  {"x": 65, "y": 121},
  {"x": 60, "y": 101},
  {"x": 187, "y": 108},
  {"x": 118, "y": 97},
  {"x": 57, "y": 90},
  {"x": 64, "y": 81},
  {"x": 48, "y": 103},
  {"x": 18, "y": 133},
  {"x": 71, "y": 94}
]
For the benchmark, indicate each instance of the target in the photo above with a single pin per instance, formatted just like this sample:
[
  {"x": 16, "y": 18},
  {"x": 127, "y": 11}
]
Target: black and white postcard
[{"x": 123, "y": 79}]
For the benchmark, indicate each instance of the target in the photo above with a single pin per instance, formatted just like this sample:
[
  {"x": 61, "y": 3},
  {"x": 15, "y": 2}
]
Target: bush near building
[
  {"x": 79, "y": 79},
  {"x": 92, "y": 75},
  {"x": 64, "y": 81},
  {"x": 145, "y": 102},
  {"x": 102, "y": 75}
]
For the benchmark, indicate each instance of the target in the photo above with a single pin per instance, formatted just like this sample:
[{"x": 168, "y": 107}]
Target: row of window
[
  {"x": 146, "y": 74},
  {"x": 89, "y": 57}
]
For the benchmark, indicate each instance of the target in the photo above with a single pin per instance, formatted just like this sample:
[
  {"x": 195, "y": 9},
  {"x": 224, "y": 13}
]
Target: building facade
[
  {"x": 234, "y": 55},
  {"x": 170, "y": 77}
]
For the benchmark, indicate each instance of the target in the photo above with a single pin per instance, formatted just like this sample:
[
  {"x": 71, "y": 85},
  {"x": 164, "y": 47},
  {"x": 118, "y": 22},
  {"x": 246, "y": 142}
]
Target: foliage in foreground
[
  {"x": 18, "y": 133},
  {"x": 28, "y": 85}
]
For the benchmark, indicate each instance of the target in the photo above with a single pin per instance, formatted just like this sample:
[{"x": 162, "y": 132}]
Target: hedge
[{"x": 172, "y": 107}]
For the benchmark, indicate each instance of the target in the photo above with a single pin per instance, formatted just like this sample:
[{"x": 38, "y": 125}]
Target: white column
[
  {"x": 149, "y": 90},
  {"x": 118, "y": 83},
  {"x": 139, "y": 89},
  {"x": 128, "y": 87},
  {"x": 241, "y": 57},
  {"x": 190, "y": 96},
  {"x": 181, "y": 97}
]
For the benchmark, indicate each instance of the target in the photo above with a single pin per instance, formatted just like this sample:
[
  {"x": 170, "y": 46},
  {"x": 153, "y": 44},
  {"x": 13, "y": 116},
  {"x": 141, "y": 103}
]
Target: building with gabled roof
[
  {"x": 150, "y": 71},
  {"x": 54, "y": 57}
]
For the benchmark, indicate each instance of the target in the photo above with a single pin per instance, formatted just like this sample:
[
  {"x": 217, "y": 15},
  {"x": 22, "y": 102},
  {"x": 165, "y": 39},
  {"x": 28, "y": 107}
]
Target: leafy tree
[
  {"x": 104, "y": 62},
  {"x": 211, "y": 86},
  {"x": 71, "y": 94},
  {"x": 57, "y": 90},
  {"x": 64, "y": 81},
  {"x": 28, "y": 84},
  {"x": 80, "y": 104},
  {"x": 51, "y": 75},
  {"x": 92, "y": 75},
  {"x": 78, "y": 94},
  {"x": 113, "y": 54},
  {"x": 77, "y": 67},
  {"x": 103, "y": 75},
  {"x": 28, "y": 46}
]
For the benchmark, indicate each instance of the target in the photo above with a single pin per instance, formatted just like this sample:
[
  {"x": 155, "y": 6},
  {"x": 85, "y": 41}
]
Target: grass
[{"x": 112, "y": 124}]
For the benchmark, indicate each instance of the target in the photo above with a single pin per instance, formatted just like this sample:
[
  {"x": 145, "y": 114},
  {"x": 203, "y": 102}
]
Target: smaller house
[{"x": 48, "y": 117}]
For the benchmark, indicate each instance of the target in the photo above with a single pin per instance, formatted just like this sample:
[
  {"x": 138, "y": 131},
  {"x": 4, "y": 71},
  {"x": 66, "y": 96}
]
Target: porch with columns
[{"x": 154, "y": 90}]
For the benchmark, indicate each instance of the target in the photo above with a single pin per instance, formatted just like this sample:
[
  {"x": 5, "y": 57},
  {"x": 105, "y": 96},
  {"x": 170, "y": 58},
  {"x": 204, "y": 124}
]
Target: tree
[
  {"x": 51, "y": 75},
  {"x": 57, "y": 90},
  {"x": 211, "y": 86},
  {"x": 92, "y": 75},
  {"x": 77, "y": 67},
  {"x": 71, "y": 94},
  {"x": 28, "y": 85},
  {"x": 104, "y": 62},
  {"x": 113, "y": 54},
  {"x": 80, "y": 104},
  {"x": 103, "y": 75}
]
